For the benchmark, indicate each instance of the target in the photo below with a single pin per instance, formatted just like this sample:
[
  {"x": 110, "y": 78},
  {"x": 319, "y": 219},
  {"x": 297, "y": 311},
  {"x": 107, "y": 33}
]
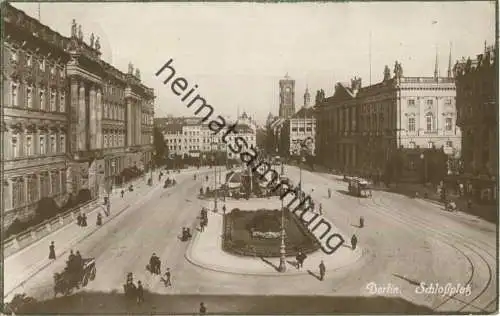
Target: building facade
[
  {"x": 400, "y": 122},
  {"x": 298, "y": 133},
  {"x": 187, "y": 137},
  {"x": 477, "y": 105},
  {"x": 61, "y": 126},
  {"x": 286, "y": 97}
]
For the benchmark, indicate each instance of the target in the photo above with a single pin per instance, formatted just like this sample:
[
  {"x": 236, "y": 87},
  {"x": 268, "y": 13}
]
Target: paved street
[{"x": 405, "y": 241}]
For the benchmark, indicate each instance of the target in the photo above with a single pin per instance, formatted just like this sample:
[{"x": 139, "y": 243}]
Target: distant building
[
  {"x": 287, "y": 97},
  {"x": 401, "y": 125},
  {"x": 477, "y": 104},
  {"x": 187, "y": 137},
  {"x": 298, "y": 133}
]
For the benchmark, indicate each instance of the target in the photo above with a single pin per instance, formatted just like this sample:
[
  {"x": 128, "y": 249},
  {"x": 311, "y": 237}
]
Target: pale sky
[{"x": 237, "y": 52}]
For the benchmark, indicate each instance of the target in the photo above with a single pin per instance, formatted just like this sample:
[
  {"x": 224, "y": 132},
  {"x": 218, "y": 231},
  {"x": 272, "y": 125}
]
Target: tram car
[{"x": 359, "y": 187}]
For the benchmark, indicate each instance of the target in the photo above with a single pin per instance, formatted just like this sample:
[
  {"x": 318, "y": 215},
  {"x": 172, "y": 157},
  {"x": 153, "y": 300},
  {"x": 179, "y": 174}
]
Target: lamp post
[
  {"x": 282, "y": 266},
  {"x": 113, "y": 164}
]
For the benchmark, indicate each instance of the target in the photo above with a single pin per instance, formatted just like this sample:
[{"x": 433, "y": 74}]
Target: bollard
[
  {"x": 73, "y": 217},
  {"x": 33, "y": 235},
  {"x": 48, "y": 226},
  {"x": 61, "y": 220}
]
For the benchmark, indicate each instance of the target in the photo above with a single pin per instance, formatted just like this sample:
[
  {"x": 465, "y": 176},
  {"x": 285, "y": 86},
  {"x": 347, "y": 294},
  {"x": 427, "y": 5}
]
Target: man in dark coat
[
  {"x": 140, "y": 293},
  {"x": 322, "y": 270},
  {"x": 354, "y": 242},
  {"x": 52, "y": 251}
]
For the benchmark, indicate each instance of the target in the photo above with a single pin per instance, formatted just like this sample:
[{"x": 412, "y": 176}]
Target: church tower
[
  {"x": 287, "y": 97},
  {"x": 307, "y": 97}
]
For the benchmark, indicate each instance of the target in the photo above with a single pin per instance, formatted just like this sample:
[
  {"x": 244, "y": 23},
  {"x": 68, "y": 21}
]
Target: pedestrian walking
[
  {"x": 202, "y": 224},
  {"x": 167, "y": 280},
  {"x": 140, "y": 293},
  {"x": 329, "y": 193},
  {"x": 203, "y": 309},
  {"x": 79, "y": 219},
  {"x": 322, "y": 270},
  {"x": 320, "y": 209},
  {"x": 122, "y": 192},
  {"x": 84, "y": 220},
  {"x": 361, "y": 222},
  {"x": 108, "y": 209},
  {"x": 52, "y": 251},
  {"x": 354, "y": 242}
]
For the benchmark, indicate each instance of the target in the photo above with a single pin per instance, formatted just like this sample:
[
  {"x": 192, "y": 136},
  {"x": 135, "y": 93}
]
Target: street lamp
[{"x": 282, "y": 266}]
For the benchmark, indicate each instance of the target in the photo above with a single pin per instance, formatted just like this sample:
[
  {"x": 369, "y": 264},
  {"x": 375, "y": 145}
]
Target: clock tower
[{"x": 287, "y": 97}]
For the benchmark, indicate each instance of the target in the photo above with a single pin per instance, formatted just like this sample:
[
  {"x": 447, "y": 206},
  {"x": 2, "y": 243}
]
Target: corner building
[
  {"x": 363, "y": 129},
  {"x": 477, "y": 104},
  {"x": 71, "y": 121}
]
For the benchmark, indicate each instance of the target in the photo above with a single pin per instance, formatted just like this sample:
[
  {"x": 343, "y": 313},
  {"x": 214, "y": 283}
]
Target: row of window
[
  {"x": 113, "y": 112},
  {"x": 301, "y": 129},
  {"x": 112, "y": 140},
  {"x": 430, "y": 123},
  {"x": 29, "y": 189},
  {"x": 206, "y": 140},
  {"x": 31, "y": 60},
  {"x": 412, "y": 102},
  {"x": 36, "y": 98},
  {"x": 27, "y": 145},
  {"x": 430, "y": 144}
]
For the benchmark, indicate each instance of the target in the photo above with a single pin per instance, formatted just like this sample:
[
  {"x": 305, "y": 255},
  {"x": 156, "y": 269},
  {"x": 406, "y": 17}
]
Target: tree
[{"x": 160, "y": 146}]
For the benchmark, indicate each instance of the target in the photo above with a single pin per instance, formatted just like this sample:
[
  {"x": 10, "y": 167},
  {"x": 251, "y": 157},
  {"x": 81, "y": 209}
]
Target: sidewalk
[
  {"x": 24, "y": 264},
  {"x": 205, "y": 251}
]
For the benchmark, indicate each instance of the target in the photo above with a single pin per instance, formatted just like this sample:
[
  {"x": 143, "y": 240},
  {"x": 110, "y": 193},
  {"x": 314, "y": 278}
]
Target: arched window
[{"x": 429, "y": 121}]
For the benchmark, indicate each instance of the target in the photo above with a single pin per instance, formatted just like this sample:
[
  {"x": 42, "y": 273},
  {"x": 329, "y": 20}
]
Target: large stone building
[
  {"x": 477, "y": 104},
  {"x": 298, "y": 133},
  {"x": 186, "y": 137},
  {"x": 287, "y": 97},
  {"x": 401, "y": 120},
  {"x": 70, "y": 119}
]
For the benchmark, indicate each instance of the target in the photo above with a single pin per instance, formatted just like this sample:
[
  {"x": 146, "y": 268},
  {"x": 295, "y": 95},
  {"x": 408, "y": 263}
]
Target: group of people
[
  {"x": 133, "y": 291},
  {"x": 81, "y": 220},
  {"x": 300, "y": 257},
  {"x": 155, "y": 267},
  {"x": 155, "y": 264}
]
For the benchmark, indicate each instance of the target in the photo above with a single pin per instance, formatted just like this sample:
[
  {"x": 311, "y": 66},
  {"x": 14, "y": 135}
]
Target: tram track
[
  {"x": 463, "y": 241},
  {"x": 475, "y": 252}
]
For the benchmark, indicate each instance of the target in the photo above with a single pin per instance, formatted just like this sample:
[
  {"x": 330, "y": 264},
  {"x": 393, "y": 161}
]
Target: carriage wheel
[{"x": 92, "y": 274}]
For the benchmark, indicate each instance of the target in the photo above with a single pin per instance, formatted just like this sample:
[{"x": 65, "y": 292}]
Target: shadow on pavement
[
  {"x": 344, "y": 192},
  {"x": 412, "y": 282},
  {"x": 314, "y": 275},
  {"x": 107, "y": 303},
  {"x": 270, "y": 263}
]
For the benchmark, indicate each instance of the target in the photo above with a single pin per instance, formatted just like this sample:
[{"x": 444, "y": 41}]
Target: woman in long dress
[{"x": 52, "y": 251}]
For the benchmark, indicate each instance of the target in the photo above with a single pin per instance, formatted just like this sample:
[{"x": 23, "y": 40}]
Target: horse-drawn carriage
[{"x": 67, "y": 280}]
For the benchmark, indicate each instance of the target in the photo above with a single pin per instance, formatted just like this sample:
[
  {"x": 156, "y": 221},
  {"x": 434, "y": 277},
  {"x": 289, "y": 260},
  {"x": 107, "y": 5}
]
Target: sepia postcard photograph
[{"x": 249, "y": 158}]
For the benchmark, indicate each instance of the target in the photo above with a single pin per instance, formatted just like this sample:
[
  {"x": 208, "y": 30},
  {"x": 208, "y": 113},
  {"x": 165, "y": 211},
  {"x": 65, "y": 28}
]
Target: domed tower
[{"x": 307, "y": 97}]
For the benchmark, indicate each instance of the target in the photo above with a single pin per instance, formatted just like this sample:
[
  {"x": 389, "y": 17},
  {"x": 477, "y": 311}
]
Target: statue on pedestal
[
  {"x": 130, "y": 69},
  {"x": 138, "y": 73},
  {"x": 73, "y": 28},
  {"x": 97, "y": 44},
  {"x": 92, "y": 40},
  {"x": 387, "y": 73}
]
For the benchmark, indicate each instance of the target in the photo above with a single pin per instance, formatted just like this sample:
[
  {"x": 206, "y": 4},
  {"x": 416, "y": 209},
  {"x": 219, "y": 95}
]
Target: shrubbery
[{"x": 47, "y": 208}]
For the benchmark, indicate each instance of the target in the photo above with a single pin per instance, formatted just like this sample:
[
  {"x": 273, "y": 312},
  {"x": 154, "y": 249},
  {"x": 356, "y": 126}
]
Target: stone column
[
  {"x": 99, "y": 119},
  {"x": 92, "y": 118},
  {"x": 8, "y": 192},
  {"x": 82, "y": 114},
  {"x": 50, "y": 183},
  {"x": 139, "y": 123},
  {"x": 25, "y": 183},
  {"x": 129, "y": 123}
]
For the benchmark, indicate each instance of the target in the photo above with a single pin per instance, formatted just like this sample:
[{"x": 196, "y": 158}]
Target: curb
[
  {"x": 188, "y": 255},
  {"x": 78, "y": 240}
]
